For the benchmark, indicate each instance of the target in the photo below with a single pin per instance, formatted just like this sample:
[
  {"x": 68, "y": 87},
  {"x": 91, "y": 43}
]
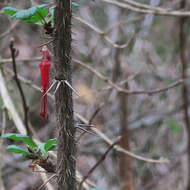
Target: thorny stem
[{"x": 25, "y": 107}]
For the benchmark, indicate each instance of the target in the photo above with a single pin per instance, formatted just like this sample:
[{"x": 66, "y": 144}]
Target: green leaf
[
  {"x": 174, "y": 126},
  {"x": 47, "y": 146},
  {"x": 50, "y": 144},
  {"x": 42, "y": 148},
  {"x": 19, "y": 137},
  {"x": 51, "y": 10},
  {"x": 32, "y": 15},
  {"x": 10, "y": 10},
  {"x": 17, "y": 150},
  {"x": 75, "y": 4}
]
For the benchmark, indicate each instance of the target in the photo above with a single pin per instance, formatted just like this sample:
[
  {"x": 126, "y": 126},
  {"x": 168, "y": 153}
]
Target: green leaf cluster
[
  {"x": 43, "y": 147},
  {"x": 34, "y": 14}
]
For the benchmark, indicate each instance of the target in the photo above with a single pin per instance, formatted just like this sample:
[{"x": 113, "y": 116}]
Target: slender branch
[
  {"x": 118, "y": 148},
  {"x": 10, "y": 106},
  {"x": 103, "y": 157},
  {"x": 144, "y": 6},
  {"x": 105, "y": 79},
  {"x": 47, "y": 181},
  {"x": 25, "y": 107},
  {"x": 95, "y": 113},
  {"x": 44, "y": 178},
  {"x": 10, "y": 29},
  {"x": 103, "y": 34},
  {"x": 164, "y": 12},
  {"x": 120, "y": 89},
  {"x": 91, "y": 119}
]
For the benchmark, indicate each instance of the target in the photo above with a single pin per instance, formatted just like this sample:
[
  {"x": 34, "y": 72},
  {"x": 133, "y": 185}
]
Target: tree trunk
[
  {"x": 182, "y": 44},
  {"x": 126, "y": 173},
  {"x": 125, "y": 162},
  {"x": 66, "y": 145}
]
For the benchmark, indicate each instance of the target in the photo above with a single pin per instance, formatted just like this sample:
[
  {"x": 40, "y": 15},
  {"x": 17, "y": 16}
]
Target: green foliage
[
  {"x": 75, "y": 4},
  {"x": 43, "y": 147},
  {"x": 17, "y": 150},
  {"x": 32, "y": 15},
  {"x": 50, "y": 144},
  {"x": 10, "y": 10},
  {"x": 174, "y": 126},
  {"x": 19, "y": 137},
  {"x": 47, "y": 146}
]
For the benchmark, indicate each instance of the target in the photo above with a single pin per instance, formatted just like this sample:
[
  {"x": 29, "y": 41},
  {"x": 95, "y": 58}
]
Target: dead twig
[
  {"x": 120, "y": 89},
  {"x": 13, "y": 25},
  {"x": 25, "y": 107},
  {"x": 103, "y": 157},
  {"x": 103, "y": 34},
  {"x": 47, "y": 181},
  {"x": 91, "y": 119},
  {"x": 161, "y": 12}
]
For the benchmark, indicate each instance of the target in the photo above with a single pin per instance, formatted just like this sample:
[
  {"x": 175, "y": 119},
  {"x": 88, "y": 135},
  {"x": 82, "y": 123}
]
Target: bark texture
[
  {"x": 125, "y": 162},
  {"x": 126, "y": 172},
  {"x": 182, "y": 47},
  {"x": 64, "y": 103}
]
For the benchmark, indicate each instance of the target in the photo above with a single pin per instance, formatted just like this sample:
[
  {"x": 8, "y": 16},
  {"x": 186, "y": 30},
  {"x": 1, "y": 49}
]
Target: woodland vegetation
[{"x": 113, "y": 113}]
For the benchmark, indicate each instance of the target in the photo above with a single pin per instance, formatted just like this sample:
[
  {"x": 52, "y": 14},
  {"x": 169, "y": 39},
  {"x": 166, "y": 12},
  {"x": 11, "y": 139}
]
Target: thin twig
[
  {"x": 144, "y": 6},
  {"x": 95, "y": 113},
  {"x": 85, "y": 131},
  {"x": 103, "y": 34},
  {"x": 47, "y": 181},
  {"x": 98, "y": 162},
  {"x": 118, "y": 148},
  {"x": 13, "y": 26},
  {"x": 25, "y": 107},
  {"x": 120, "y": 89},
  {"x": 10, "y": 106},
  {"x": 105, "y": 79},
  {"x": 163, "y": 12},
  {"x": 91, "y": 119}
]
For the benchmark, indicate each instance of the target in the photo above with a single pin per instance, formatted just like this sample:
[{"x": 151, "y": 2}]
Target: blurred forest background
[{"x": 114, "y": 50}]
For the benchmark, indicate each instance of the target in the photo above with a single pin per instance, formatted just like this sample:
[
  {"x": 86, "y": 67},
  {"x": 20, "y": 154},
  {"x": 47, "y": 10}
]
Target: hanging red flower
[{"x": 45, "y": 70}]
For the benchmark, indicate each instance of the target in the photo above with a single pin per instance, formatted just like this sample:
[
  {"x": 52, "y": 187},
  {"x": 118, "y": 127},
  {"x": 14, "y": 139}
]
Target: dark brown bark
[
  {"x": 182, "y": 40},
  {"x": 125, "y": 162},
  {"x": 64, "y": 103}
]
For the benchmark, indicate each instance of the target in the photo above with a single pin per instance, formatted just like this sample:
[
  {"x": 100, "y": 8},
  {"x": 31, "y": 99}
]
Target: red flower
[{"x": 45, "y": 70}]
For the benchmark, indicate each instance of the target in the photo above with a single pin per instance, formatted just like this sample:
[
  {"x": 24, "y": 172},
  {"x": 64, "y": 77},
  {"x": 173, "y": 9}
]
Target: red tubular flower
[{"x": 45, "y": 70}]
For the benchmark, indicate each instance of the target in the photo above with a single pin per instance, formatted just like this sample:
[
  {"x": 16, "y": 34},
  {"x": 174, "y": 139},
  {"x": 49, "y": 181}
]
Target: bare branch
[
  {"x": 103, "y": 157},
  {"x": 118, "y": 148},
  {"x": 47, "y": 181},
  {"x": 10, "y": 29},
  {"x": 163, "y": 12},
  {"x": 25, "y": 107},
  {"x": 103, "y": 34},
  {"x": 120, "y": 89}
]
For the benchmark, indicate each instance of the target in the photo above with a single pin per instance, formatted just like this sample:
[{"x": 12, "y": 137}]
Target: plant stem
[
  {"x": 66, "y": 164},
  {"x": 25, "y": 107}
]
